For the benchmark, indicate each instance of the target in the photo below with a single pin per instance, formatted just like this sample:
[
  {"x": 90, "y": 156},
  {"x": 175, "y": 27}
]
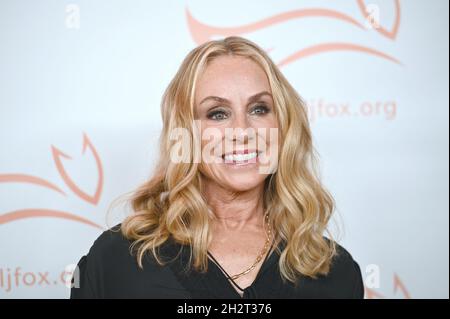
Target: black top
[{"x": 109, "y": 270}]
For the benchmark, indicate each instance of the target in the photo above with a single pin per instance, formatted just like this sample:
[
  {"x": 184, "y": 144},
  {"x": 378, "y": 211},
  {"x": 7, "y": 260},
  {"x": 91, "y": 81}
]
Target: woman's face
[{"x": 235, "y": 111}]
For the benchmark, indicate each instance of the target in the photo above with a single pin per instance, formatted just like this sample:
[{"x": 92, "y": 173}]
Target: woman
[{"x": 232, "y": 210}]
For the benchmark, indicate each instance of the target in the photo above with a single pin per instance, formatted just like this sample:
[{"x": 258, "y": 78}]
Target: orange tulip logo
[
  {"x": 202, "y": 32},
  {"x": 93, "y": 199},
  {"x": 399, "y": 287}
]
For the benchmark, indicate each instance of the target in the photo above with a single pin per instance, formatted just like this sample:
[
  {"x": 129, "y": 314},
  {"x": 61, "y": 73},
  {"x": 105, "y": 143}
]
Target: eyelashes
[
  {"x": 218, "y": 114},
  {"x": 262, "y": 109},
  {"x": 222, "y": 114}
]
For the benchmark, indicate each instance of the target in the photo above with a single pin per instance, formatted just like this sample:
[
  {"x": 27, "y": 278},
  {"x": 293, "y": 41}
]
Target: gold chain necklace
[{"x": 261, "y": 254}]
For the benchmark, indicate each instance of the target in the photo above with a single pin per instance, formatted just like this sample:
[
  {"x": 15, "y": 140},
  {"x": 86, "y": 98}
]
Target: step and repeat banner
[{"x": 80, "y": 90}]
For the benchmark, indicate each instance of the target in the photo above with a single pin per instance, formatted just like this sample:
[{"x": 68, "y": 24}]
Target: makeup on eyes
[
  {"x": 216, "y": 110},
  {"x": 262, "y": 106}
]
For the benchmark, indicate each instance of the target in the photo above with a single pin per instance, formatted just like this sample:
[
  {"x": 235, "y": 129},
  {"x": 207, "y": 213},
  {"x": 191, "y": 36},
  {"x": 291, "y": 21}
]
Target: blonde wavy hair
[{"x": 171, "y": 205}]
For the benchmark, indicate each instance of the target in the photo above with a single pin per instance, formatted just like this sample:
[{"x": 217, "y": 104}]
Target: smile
[{"x": 241, "y": 158}]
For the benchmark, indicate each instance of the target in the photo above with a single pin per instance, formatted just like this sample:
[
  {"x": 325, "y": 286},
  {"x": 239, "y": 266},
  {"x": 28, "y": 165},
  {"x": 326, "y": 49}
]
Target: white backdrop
[{"x": 89, "y": 75}]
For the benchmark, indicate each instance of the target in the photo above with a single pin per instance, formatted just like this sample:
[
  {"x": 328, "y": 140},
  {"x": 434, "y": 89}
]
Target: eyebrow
[{"x": 251, "y": 99}]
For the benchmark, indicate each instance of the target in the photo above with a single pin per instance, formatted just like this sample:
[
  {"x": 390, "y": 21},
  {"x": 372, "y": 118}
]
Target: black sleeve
[
  {"x": 345, "y": 278},
  {"x": 358, "y": 291},
  {"x": 88, "y": 280},
  {"x": 81, "y": 283},
  {"x": 109, "y": 271}
]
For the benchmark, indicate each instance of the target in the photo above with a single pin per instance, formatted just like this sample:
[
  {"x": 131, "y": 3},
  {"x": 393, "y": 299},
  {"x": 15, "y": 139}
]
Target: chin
[{"x": 243, "y": 183}]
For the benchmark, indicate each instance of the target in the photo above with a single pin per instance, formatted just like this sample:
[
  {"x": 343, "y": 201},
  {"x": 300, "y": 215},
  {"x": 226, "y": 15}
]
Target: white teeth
[{"x": 240, "y": 157}]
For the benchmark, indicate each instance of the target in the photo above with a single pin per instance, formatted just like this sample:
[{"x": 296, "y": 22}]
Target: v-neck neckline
[
  {"x": 213, "y": 283},
  {"x": 222, "y": 277}
]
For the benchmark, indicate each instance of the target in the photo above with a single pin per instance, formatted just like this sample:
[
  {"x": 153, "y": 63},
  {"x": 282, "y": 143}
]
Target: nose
[{"x": 241, "y": 129}]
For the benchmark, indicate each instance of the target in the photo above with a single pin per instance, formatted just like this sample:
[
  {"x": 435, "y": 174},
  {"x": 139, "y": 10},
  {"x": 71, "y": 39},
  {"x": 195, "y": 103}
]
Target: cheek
[
  {"x": 267, "y": 128},
  {"x": 272, "y": 121},
  {"x": 268, "y": 121},
  {"x": 211, "y": 145}
]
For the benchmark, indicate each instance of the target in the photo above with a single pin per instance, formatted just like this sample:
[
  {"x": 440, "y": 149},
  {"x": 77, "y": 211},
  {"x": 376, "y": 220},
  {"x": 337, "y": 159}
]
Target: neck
[{"x": 235, "y": 210}]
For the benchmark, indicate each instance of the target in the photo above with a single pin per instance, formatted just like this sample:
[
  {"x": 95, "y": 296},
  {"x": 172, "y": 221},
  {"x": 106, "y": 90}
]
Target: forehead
[{"x": 228, "y": 75}]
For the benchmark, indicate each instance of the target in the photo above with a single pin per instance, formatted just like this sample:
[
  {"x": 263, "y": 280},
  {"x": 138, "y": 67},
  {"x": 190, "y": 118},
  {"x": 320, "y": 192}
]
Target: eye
[
  {"x": 217, "y": 115},
  {"x": 260, "y": 109}
]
